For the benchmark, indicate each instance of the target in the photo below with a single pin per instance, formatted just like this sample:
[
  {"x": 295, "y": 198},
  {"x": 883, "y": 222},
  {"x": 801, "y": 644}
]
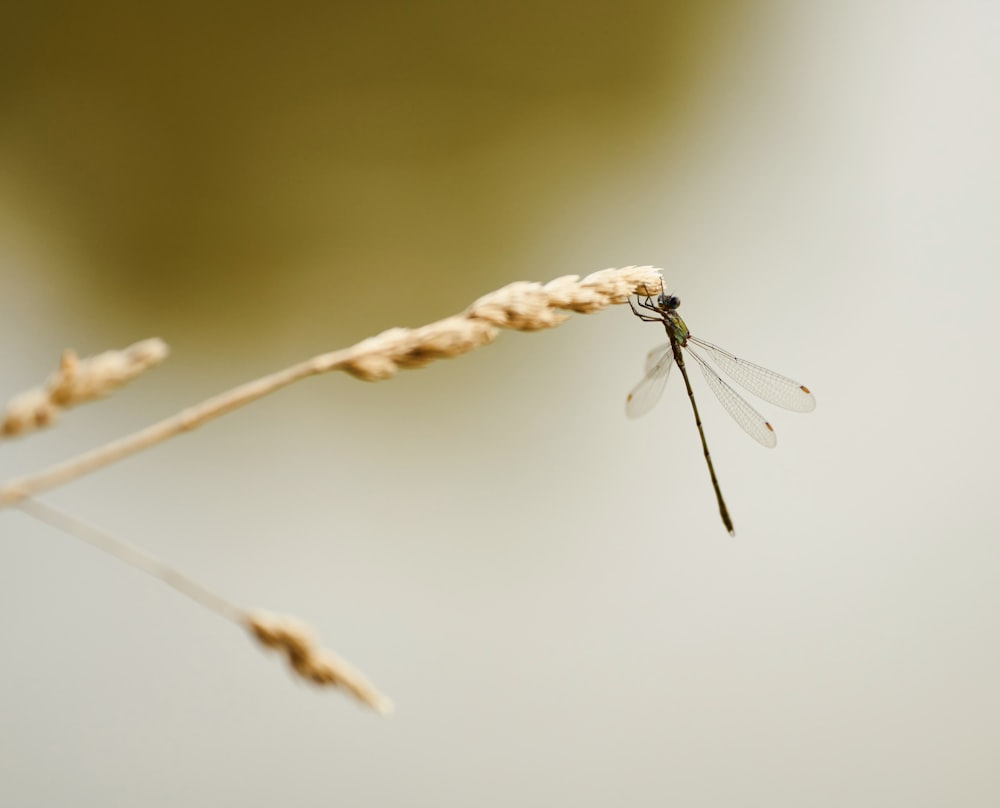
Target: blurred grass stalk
[{"x": 523, "y": 306}]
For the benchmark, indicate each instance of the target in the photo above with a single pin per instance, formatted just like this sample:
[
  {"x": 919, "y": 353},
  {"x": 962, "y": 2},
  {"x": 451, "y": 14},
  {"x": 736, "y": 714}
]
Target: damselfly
[{"x": 764, "y": 383}]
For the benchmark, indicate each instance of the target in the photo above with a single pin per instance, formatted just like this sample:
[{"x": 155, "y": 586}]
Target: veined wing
[
  {"x": 770, "y": 386},
  {"x": 648, "y": 391},
  {"x": 751, "y": 421},
  {"x": 655, "y": 355}
]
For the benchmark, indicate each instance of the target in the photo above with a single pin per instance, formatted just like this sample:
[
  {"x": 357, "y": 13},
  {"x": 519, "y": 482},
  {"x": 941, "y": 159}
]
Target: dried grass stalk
[
  {"x": 314, "y": 664},
  {"x": 287, "y": 634},
  {"x": 78, "y": 381},
  {"x": 522, "y": 306}
]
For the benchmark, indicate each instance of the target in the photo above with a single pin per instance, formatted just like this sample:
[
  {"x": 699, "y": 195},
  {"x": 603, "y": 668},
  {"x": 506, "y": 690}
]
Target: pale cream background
[{"x": 543, "y": 586}]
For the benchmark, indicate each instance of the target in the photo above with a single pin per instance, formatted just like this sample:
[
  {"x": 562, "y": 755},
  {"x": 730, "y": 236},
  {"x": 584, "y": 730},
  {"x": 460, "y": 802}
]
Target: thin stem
[
  {"x": 287, "y": 635},
  {"x": 18, "y": 490},
  {"x": 134, "y": 557}
]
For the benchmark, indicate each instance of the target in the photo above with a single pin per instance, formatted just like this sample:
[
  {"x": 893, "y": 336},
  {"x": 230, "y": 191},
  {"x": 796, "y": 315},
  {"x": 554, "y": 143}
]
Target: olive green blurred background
[
  {"x": 235, "y": 164},
  {"x": 542, "y": 585}
]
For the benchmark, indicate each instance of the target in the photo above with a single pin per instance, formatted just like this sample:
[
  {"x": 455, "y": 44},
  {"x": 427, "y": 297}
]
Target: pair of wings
[{"x": 763, "y": 383}]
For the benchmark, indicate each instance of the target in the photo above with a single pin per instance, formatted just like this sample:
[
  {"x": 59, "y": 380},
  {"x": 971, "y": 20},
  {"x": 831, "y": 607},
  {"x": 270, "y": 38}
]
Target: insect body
[{"x": 766, "y": 384}]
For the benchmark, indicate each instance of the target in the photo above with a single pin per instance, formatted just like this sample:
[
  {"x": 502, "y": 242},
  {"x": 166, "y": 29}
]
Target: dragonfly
[{"x": 763, "y": 383}]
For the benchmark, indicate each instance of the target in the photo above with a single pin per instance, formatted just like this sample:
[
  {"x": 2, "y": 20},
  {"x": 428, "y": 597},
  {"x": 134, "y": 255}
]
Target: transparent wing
[
  {"x": 655, "y": 355},
  {"x": 752, "y": 422},
  {"x": 770, "y": 386},
  {"x": 648, "y": 391}
]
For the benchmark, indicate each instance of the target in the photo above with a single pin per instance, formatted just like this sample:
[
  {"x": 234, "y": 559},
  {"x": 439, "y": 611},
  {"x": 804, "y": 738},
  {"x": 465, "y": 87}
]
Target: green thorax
[{"x": 677, "y": 328}]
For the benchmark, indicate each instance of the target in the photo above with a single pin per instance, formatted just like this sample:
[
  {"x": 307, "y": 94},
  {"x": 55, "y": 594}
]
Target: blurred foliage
[{"x": 240, "y": 157}]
